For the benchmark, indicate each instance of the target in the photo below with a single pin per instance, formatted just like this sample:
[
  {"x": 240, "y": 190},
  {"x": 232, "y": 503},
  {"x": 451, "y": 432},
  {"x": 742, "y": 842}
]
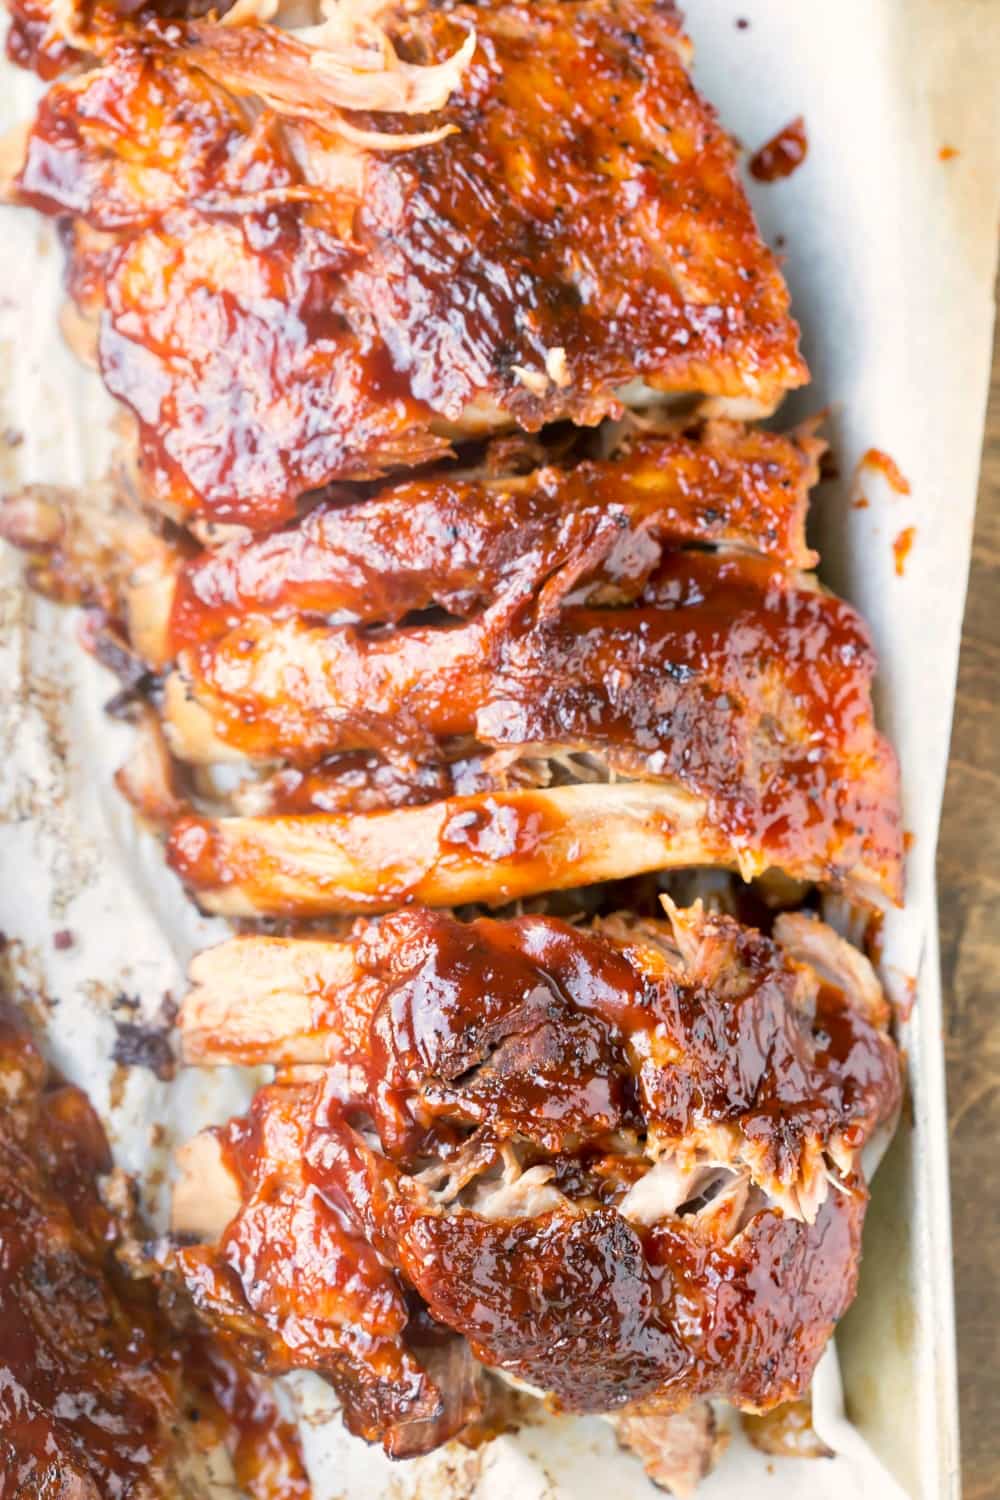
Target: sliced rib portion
[
  {"x": 622, "y": 1163},
  {"x": 742, "y": 690},
  {"x": 732, "y": 696},
  {"x": 489, "y": 848},
  {"x": 492, "y": 848},
  {"x": 284, "y": 301},
  {"x": 713, "y": 647},
  {"x": 456, "y": 541}
]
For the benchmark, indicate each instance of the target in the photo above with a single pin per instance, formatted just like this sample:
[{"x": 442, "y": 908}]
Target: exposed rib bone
[
  {"x": 491, "y": 849},
  {"x": 90, "y": 546},
  {"x": 677, "y": 1449},
  {"x": 263, "y": 1000},
  {"x": 207, "y": 1193},
  {"x": 836, "y": 960}
]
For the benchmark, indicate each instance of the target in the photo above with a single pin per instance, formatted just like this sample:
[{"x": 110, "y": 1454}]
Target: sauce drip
[{"x": 240, "y": 1411}]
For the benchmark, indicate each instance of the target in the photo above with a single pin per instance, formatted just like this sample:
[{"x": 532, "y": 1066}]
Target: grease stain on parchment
[{"x": 36, "y": 748}]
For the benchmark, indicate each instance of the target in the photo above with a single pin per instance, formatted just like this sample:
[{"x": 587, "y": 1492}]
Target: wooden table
[{"x": 969, "y": 879}]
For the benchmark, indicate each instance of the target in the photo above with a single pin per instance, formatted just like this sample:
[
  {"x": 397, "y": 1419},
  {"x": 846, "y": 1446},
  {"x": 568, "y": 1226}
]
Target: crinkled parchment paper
[{"x": 890, "y": 257}]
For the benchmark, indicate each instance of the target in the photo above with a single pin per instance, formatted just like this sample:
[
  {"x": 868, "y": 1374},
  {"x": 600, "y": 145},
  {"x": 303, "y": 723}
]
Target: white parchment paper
[{"x": 890, "y": 256}]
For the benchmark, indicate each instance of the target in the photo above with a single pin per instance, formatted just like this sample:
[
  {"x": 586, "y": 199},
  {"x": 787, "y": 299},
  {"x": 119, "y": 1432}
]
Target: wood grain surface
[{"x": 969, "y": 881}]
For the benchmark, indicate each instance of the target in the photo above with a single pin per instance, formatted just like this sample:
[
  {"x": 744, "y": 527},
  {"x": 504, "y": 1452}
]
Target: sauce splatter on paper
[
  {"x": 901, "y": 548},
  {"x": 876, "y": 459},
  {"x": 783, "y": 154}
]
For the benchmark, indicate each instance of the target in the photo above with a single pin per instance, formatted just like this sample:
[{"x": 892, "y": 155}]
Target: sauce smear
[
  {"x": 783, "y": 154},
  {"x": 876, "y": 459},
  {"x": 901, "y": 548}
]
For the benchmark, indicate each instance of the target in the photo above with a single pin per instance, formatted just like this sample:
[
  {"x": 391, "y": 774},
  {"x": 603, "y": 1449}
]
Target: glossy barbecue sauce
[
  {"x": 462, "y": 1036},
  {"x": 597, "y": 528},
  {"x": 94, "y": 1378}
]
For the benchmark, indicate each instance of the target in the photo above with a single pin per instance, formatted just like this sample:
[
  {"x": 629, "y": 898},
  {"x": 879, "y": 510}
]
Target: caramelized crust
[
  {"x": 705, "y": 629},
  {"x": 249, "y": 385},
  {"x": 599, "y": 198},
  {"x": 603, "y": 1158},
  {"x": 284, "y": 306}
]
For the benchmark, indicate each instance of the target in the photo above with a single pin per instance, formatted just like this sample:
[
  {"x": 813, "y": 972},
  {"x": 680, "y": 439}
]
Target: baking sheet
[{"x": 890, "y": 258}]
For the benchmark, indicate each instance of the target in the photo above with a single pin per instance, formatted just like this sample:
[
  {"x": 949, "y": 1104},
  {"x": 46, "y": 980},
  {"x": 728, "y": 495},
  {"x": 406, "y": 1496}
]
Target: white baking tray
[{"x": 891, "y": 254}]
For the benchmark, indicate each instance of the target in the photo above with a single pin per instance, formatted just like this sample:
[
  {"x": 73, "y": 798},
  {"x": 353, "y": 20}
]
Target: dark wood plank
[{"x": 969, "y": 879}]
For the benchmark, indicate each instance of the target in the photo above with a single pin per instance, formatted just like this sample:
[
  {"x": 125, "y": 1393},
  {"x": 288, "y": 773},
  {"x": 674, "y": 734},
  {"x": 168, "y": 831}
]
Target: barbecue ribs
[
  {"x": 96, "y": 1381},
  {"x": 285, "y": 296},
  {"x": 594, "y": 702},
  {"x": 620, "y": 1164}
]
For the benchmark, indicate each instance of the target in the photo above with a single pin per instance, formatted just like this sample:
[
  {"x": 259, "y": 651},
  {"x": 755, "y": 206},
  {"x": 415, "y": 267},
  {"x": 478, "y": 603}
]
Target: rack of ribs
[
  {"x": 286, "y": 295},
  {"x": 620, "y": 1163},
  {"x": 627, "y": 670}
]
